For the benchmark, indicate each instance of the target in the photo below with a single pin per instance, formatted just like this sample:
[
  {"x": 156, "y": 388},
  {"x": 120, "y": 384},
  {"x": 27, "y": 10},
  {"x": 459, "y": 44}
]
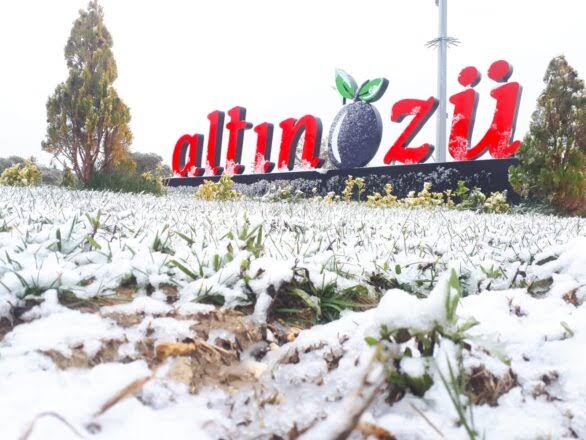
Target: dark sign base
[{"x": 489, "y": 175}]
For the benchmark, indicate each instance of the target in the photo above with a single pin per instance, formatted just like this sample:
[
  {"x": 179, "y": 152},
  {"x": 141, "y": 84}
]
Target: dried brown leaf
[{"x": 371, "y": 430}]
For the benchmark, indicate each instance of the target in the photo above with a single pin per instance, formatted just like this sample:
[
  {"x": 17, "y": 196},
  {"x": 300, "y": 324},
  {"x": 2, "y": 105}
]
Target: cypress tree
[
  {"x": 553, "y": 155},
  {"x": 87, "y": 122}
]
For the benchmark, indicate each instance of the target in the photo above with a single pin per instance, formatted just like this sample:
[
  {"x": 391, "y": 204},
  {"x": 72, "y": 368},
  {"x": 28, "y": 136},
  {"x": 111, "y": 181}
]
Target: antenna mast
[{"x": 442, "y": 42}]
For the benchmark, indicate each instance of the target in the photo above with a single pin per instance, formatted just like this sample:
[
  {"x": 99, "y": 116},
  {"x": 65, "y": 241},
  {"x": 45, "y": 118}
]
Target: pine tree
[
  {"x": 87, "y": 123},
  {"x": 553, "y": 156}
]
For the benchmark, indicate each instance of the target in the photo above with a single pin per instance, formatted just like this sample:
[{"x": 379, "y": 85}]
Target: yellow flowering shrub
[
  {"x": 221, "y": 190},
  {"x": 352, "y": 183},
  {"x": 27, "y": 174}
]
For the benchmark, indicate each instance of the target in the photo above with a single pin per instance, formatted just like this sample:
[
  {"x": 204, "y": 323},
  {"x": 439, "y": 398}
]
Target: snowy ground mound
[{"x": 125, "y": 316}]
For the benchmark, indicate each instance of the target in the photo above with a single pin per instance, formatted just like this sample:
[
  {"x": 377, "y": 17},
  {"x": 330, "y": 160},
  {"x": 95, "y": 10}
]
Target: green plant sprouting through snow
[
  {"x": 236, "y": 252},
  {"x": 408, "y": 354},
  {"x": 409, "y": 272}
]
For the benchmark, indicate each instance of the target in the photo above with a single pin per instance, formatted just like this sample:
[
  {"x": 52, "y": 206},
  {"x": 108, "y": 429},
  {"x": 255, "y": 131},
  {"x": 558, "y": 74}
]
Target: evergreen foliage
[
  {"x": 553, "y": 155},
  {"x": 87, "y": 122}
]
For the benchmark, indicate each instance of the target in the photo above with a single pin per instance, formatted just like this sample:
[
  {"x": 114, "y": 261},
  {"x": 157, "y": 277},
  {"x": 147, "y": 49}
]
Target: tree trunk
[{"x": 88, "y": 170}]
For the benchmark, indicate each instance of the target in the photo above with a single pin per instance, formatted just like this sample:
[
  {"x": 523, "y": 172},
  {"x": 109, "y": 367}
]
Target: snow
[
  {"x": 140, "y": 304},
  {"x": 523, "y": 280},
  {"x": 192, "y": 308},
  {"x": 60, "y": 332}
]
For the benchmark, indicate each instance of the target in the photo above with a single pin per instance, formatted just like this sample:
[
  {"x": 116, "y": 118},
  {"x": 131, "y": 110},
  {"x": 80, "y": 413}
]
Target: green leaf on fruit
[
  {"x": 373, "y": 90},
  {"x": 345, "y": 84}
]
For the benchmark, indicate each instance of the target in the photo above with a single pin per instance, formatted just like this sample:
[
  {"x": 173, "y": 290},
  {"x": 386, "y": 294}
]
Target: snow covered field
[{"x": 108, "y": 329}]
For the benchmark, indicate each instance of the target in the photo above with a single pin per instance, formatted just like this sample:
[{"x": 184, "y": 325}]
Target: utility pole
[{"x": 442, "y": 72}]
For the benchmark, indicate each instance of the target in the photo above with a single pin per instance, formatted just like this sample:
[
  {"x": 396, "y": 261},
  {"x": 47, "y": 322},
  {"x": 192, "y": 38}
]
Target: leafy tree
[
  {"x": 553, "y": 154},
  {"x": 126, "y": 165},
  {"x": 151, "y": 163},
  {"x": 50, "y": 175},
  {"x": 10, "y": 161},
  {"x": 87, "y": 123}
]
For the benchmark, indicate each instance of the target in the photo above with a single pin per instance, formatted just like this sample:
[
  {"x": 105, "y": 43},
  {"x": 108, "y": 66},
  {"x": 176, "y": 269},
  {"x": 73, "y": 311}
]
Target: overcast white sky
[{"x": 178, "y": 60}]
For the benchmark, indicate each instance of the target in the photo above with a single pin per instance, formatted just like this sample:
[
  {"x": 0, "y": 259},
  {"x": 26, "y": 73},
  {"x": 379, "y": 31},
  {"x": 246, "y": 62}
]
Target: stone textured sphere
[{"x": 355, "y": 135}]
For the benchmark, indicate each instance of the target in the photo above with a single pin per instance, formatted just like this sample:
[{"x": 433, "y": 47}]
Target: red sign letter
[
  {"x": 215, "y": 142},
  {"x": 192, "y": 145},
  {"x": 292, "y": 131},
  {"x": 502, "y": 128},
  {"x": 421, "y": 111},
  {"x": 236, "y": 126},
  {"x": 464, "y": 114},
  {"x": 264, "y": 146},
  {"x": 507, "y": 97}
]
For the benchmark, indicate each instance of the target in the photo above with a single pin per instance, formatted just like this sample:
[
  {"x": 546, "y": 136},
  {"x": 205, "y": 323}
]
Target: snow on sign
[{"x": 356, "y": 132}]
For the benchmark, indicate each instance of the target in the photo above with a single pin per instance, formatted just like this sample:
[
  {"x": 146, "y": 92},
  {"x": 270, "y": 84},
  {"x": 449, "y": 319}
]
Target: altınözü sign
[{"x": 356, "y": 132}]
